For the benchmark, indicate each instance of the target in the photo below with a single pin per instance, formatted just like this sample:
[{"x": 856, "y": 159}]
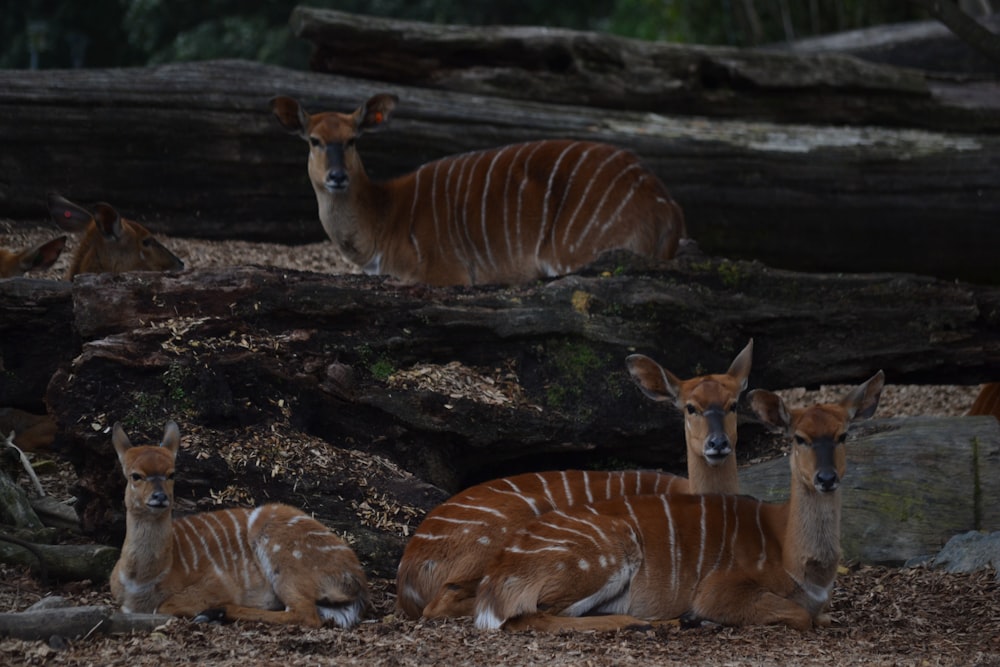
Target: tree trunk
[
  {"x": 590, "y": 69},
  {"x": 804, "y": 197}
]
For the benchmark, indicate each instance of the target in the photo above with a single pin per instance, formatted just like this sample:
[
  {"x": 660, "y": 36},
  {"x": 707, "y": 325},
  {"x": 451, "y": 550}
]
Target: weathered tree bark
[
  {"x": 802, "y": 197},
  {"x": 911, "y": 485},
  {"x": 74, "y": 622},
  {"x": 601, "y": 70},
  {"x": 926, "y": 45},
  {"x": 65, "y": 562}
]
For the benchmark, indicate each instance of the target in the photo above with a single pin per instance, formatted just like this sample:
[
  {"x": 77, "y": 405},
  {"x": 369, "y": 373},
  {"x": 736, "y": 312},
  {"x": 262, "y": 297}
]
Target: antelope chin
[{"x": 715, "y": 460}]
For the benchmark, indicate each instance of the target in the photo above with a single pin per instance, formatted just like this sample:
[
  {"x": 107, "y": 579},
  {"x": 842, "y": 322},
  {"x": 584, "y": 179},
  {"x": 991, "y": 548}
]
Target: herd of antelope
[{"x": 553, "y": 550}]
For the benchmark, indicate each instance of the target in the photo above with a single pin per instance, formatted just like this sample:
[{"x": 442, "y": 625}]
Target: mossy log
[
  {"x": 64, "y": 562},
  {"x": 911, "y": 485}
]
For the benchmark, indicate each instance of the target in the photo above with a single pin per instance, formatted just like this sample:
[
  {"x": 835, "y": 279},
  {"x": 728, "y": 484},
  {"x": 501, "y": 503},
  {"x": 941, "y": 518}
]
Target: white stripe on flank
[
  {"x": 609, "y": 222},
  {"x": 568, "y": 491},
  {"x": 595, "y": 217},
  {"x": 520, "y": 496},
  {"x": 469, "y": 522},
  {"x": 722, "y": 535},
  {"x": 481, "y": 508},
  {"x": 589, "y": 524},
  {"x": 525, "y": 179},
  {"x": 544, "y": 222},
  {"x": 586, "y": 487},
  {"x": 675, "y": 553},
  {"x": 594, "y": 178},
  {"x": 546, "y": 490},
  {"x": 413, "y": 217},
  {"x": 511, "y": 257},
  {"x": 514, "y": 549},
  {"x": 484, "y": 195}
]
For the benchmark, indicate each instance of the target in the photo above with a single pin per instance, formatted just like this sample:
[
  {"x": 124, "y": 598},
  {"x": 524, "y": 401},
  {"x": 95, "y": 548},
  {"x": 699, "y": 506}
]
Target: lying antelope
[
  {"x": 445, "y": 559},
  {"x": 505, "y": 215},
  {"x": 32, "y": 432},
  {"x": 729, "y": 559},
  {"x": 273, "y": 564},
  {"x": 110, "y": 243},
  {"x": 36, "y": 258}
]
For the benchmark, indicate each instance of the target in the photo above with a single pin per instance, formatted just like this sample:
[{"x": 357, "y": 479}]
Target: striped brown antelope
[
  {"x": 505, "y": 215},
  {"x": 273, "y": 563},
  {"x": 36, "y": 258},
  {"x": 729, "y": 559},
  {"x": 447, "y": 555},
  {"x": 110, "y": 243}
]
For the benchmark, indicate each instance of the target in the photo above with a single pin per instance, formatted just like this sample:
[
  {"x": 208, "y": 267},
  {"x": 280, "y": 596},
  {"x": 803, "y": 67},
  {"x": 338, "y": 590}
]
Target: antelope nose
[
  {"x": 717, "y": 447},
  {"x": 336, "y": 180},
  {"x": 826, "y": 481},
  {"x": 158, "y": 499}
]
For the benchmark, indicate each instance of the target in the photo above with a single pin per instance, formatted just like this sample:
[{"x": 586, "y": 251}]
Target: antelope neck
[{"x": 812, "y": 537}]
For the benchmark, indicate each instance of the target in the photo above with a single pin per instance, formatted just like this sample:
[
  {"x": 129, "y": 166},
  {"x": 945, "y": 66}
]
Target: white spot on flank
[
  {"x": 583, "y": 564},
  {"x": 484, "y": 540}
]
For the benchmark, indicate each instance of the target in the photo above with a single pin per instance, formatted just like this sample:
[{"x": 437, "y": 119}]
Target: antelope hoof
[
  {"x": 211, "y": 616},
  {"x": 690, "y": 620}
]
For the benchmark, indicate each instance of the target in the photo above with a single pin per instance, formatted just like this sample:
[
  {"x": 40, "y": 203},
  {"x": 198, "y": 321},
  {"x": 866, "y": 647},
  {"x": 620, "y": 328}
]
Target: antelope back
[
  {"x": 32, "y": 433},
  {"x": 446, "y": 556},
  {"x": 729, "y": 559},
  {"x": 503, "y": 215},
  {"x": 988, "y": 400},
  {"x": 40, "y": 257},
  {"x": 708, "y": 403},
  {"x": 273, "y": 563},
  {"x": 110, "y": 243}
]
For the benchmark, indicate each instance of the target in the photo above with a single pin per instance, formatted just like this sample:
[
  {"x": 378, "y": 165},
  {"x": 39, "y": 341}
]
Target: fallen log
[
  {"x": 911, "y": 484},
  {"x": 562, "y": 66},
  {"x": 64, "y": 562},
  {"x": 321, "y": 390},
  {"x": 796, "y": 196},
  {"x": 75, "y": 622}
]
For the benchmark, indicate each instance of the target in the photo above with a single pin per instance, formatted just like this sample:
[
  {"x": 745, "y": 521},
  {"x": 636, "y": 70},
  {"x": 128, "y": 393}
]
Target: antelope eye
[
  {"x": 842, "y": 438},
  {"x": 148, "y": 241},
  {"x": 314, "y": 142},
  {"x": 349, "y": 143},
  {"x": 691, "y": 410},
  {"x": 732, "y": 408},
  {"x": 799, "y": 440},
  {"x": 170, "y": 476},
  {"x": 136, "y": 477}
]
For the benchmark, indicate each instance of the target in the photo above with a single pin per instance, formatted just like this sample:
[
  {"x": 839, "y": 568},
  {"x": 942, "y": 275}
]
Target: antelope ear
[
  {"x": 655, "y": 381},
  {"x": 121, "y": 442},
  {"x": 375, "y": 113},
  {"x": 171, "y": 437},
  {"x": 69, "y": 216},
  {"x": 290, "y": 115},
  {"x": 43, "y": 256},
  {"x": 770, "y": 409},
  {"x": 108, "y": 220},
  {"x": 740, "y": 368},
  {"x": 862, "y": 401}
]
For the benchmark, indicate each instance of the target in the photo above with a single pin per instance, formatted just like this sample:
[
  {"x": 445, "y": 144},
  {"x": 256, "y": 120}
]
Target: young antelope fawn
[
  {"x": 729, "y": 559},
  {"x": 40, "y": 257},
  {"x": 110, "y": 243},
  {"x": 273, "y": 564},
  {"x": 445, "y": 559},
  {"x": 505, "y": 215}
]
